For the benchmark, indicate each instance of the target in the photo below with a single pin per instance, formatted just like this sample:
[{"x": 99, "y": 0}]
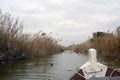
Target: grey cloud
[{"x": 71, "y": 18}]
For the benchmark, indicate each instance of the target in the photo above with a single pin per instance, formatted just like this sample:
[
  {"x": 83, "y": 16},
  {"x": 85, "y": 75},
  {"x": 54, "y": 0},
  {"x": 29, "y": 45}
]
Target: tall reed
[
  {"x": 15, "y": 44},
  {"x": 107, "y": 44}
]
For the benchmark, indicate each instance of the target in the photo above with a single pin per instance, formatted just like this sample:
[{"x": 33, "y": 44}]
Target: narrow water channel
[{"x": 44, "y": 68}]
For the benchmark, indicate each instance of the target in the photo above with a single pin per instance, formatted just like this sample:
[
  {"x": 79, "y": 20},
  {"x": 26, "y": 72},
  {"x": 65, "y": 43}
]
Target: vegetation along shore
[
  {"x": 15, "y": 45},
  {"x": 106, "y": 43}
]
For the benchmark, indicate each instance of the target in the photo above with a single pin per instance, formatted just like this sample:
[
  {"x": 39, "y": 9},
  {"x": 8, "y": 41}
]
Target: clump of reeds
[
  {"x": 82, "y": 48},
  {"x": 107, "y": 44},
  {"x": 14, "y": 44},
  {"x": 43, "y": 44}
]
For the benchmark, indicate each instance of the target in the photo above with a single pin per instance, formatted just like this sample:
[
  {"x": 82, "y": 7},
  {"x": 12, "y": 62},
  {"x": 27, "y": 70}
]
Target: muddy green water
[{"x": 44, "y": 68}]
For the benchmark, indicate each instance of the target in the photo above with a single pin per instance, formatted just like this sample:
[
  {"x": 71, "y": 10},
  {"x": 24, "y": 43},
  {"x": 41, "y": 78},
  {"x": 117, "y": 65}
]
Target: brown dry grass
[
  {"x": 107, "y": 45},
  {"x": 13, "y": 42}
]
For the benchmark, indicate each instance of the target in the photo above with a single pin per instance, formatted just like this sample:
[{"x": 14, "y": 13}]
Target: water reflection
[{"x": 43, "y": 68}]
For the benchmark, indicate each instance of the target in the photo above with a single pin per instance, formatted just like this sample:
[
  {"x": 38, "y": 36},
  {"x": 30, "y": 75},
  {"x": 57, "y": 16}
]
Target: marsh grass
[
  {"x": 107, "y": 44},
  {"x": 15, "y": 44}
]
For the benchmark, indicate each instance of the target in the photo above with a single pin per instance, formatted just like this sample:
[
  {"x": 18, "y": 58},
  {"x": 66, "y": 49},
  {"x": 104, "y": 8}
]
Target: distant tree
[{"x": 98, "y": 34}]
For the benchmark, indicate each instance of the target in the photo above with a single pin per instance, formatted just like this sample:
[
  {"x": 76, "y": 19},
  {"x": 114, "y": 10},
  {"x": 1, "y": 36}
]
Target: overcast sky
[{"x": 72, "y": 20}]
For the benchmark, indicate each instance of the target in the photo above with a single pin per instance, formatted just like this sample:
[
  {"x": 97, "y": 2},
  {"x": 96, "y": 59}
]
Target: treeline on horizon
[
  {"x": 14, "y": 44},
  {"x": 107, "y": 44}
]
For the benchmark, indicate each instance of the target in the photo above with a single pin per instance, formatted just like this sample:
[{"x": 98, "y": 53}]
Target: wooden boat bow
[{"x": 93, "y": 70}]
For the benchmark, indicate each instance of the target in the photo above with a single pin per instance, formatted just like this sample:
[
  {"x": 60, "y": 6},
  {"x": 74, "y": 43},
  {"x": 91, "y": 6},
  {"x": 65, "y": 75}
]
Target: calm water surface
[{"x": 44, "y": 68}]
